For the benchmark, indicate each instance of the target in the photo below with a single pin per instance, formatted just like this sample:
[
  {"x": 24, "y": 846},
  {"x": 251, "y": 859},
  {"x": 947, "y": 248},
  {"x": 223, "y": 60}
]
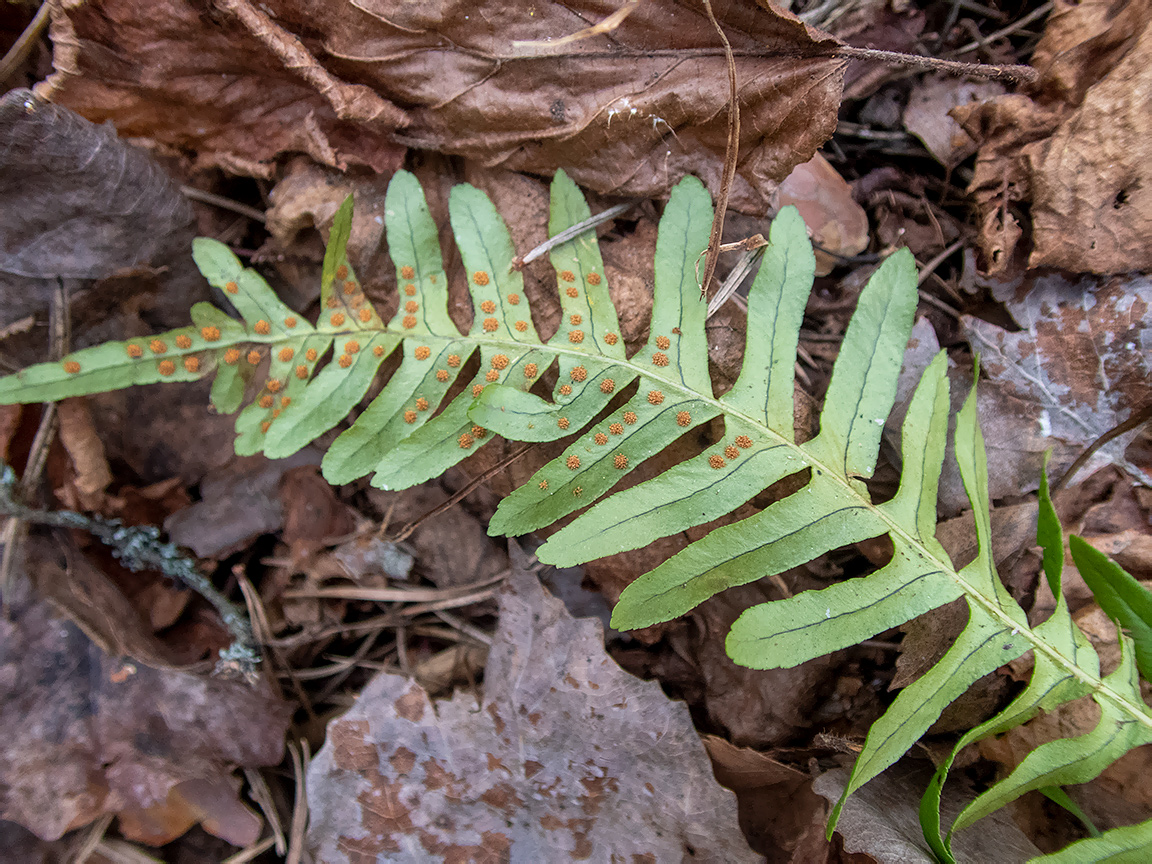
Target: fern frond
[
  {"x": 1065, "y": 761},
  {"x": 430, "y": 415}
]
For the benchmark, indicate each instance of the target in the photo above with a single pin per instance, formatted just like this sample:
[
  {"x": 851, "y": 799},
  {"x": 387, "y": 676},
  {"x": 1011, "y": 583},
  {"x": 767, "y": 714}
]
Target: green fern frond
[
  {"x": 1064, "y": 761},
  {"x": 430, "y": 415}
]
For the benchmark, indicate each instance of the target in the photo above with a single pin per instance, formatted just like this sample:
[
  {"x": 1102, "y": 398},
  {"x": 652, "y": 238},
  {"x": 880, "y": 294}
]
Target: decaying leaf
[
  {"x": 1078, "y": 150},
  {"x": 834, "y": 220},
  {"x": 87, "y": 734},
  {"x": 628, "y": 111},
  {"x": 239, "y": 502},
  {"x": 566, "y": 756},
  {"x": 1077, "y": 368},
  {"x": 926, "y": 115},
  {"x": 780, "y": 814},
  {"x": 79, "y": 203},
  {"x": 86, "y": 453},
  {"x": 880, "y": 820}
]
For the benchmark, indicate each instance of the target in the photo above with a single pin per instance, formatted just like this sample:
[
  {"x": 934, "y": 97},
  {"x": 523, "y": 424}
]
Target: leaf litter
[
  {"x": 627, "y": 112},
  {"x": 269, "y": 110},
  {"x": 89, "y": 733},
  {"x": 564, "y": 756}
]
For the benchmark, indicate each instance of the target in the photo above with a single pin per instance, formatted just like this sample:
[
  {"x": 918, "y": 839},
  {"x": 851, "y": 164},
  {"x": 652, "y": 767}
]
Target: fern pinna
[{"x": 412, "y": 431}]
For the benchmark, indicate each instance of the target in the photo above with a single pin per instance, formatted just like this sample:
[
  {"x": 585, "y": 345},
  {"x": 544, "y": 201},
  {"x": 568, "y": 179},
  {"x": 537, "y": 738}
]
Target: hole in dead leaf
[{"x": 1121, "y": 198}]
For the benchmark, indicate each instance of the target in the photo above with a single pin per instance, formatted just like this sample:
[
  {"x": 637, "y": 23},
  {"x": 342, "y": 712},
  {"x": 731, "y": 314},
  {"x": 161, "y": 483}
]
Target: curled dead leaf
[{"x": 628, "y": 111}]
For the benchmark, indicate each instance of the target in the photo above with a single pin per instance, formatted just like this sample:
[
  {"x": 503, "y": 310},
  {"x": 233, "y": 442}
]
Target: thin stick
[
  {"x": 464, "y": 627},
  {"x": 730, "y": 155},
  {"x": 16, "y": 530},
  {"x": 735, "y": 279},
  {"x": 1038, "y": 12},
  {"x": 521, "y": 261},
  {"x": 262, "y": 795},
  {"x": 407, "y": 530},
  {"x": 300, "y": 760},
  {"x": 246, "y": 855},
  {"x": 93, "y": 835},
  {"x": 140, "y": 548},
  {"x": 1012, "y": 74},
  {"x": 24, "y": 44},
  {"x": 394, "y": 595},
  {"x": 938, "y": 303},
  {"x": 223, "y": 203},
  {"x": 1137, "y": 419}
]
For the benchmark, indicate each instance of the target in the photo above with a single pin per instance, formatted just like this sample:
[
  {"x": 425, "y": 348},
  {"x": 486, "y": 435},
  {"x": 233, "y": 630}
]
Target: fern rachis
[{"x": 406, "y": 435}]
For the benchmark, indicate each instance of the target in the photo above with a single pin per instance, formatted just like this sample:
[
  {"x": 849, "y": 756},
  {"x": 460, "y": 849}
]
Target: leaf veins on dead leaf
[{"x": 626, "y": 112}]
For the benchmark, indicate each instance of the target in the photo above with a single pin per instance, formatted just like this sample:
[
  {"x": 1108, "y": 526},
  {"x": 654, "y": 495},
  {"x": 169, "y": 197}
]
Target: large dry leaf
[
  {"x": 87, "y": 734},
  {"x": 629, "y": 111},
  {"x": 1079, "y": 150},
  {"x": 566, "y": 756},
  {"x": 79, "y": 203},
  {"x": 1077, "y": 368}
]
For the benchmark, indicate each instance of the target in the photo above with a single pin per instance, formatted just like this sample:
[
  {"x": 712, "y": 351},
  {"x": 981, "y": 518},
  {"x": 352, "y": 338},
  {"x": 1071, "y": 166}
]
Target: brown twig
[
  {"x": 407, "y": 530},
  {"x": 1038, "y": 12},
  {"x": 1015, "y": 74},
  {"x": 16, "y": 529},
  {"x": 191, "y": 192},
  {"x": 730, "y": 155},
  {"x": 1138, "y": 419}
]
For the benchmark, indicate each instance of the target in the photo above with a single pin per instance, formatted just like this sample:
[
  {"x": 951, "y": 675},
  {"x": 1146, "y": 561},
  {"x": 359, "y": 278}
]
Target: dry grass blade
[
  {"x": 520, "y": 261},
  {"x": 121, "y": 852},
  {"x": 605, "y": 26},
  {"x": 92, "y": 838},
  {"x": 401, "y": 595},
  {"x": 252, "y": 851},
  {"x": 713, "y": 252},
  {"x": 16, "y": 529},
  {"x": 263, "y": 796},
  {"x": 300, "y": 759}
]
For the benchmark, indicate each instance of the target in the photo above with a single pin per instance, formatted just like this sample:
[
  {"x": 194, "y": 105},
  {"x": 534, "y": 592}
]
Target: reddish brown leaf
[
  {"x": 87, "y": 734},
  {"x": 629, "y": 111}
]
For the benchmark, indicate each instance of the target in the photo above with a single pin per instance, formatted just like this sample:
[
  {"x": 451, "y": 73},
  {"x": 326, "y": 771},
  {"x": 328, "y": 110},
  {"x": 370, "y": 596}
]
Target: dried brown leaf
[
  {"x": 1078, "y": 150},
  {"x": 567, "y": 756},
  {"x": 834, "y": 220},
  {"x": 926, "y": 115},
  {"x": 628, "y": 111},
  {"x": 86, "y": 451},
  {"x": 779, "y": 813},
  {"x": 881, "y": 819},
  {"x": 79, "y": 203},
  {"x": 238, "y": 503},
  {"x": 87, "y": 734},
  {"x": 1077, "y": 368}
]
